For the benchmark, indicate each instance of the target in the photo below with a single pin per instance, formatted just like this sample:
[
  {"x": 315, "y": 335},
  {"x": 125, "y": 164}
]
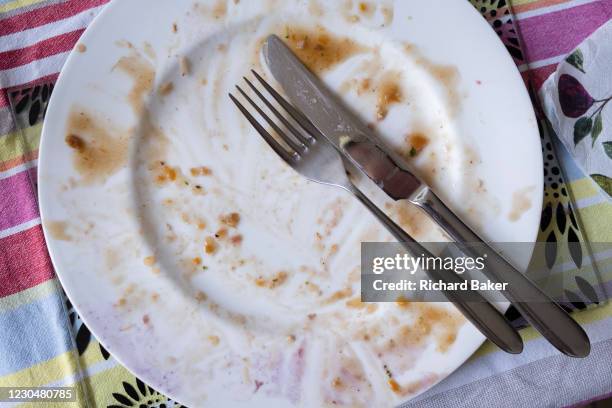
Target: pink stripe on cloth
[
  {"x": 46, "y": 15},
  {"x": 42, "y": 49},
  {"x": 18, "y": 203},
  {"x": 557, "y": 33},
  {"x": 24, "y": 261},
  {"x": 537, "y": 76}
]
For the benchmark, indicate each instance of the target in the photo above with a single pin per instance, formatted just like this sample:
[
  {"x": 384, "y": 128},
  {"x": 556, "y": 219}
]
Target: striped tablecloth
[{"x": 44, "y": 343}]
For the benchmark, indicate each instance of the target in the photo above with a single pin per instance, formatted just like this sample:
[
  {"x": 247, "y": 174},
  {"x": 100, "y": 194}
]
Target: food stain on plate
[
  {"x": 521, "y": 203},
  {"x": 416, "y": 141},
  {"x": 315, "y": 8},
  {"x": 99, "y": 150},
  {"x": 319, "y": 49},
  {"x": 446, "y": 75},
  {"x": 57, "y": 229},
  {"x": 389, "y": 93},
  {"x": 430, "y": 319},
  {"x": 377, "y": 14},
  {"x": 142, "y": 73}
]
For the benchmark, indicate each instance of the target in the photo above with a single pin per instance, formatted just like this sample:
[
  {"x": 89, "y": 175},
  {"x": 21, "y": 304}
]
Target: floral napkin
[{"x": 577, "y": 99}]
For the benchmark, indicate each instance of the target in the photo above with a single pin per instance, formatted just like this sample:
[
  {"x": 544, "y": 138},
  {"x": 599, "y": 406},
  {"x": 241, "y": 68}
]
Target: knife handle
[
  {"x": 483, "y": 315},
  {"x": 542, "y": 312}
]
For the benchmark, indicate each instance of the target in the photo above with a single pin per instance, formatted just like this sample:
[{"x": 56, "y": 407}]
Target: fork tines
[{"x": 298, "y": 142}]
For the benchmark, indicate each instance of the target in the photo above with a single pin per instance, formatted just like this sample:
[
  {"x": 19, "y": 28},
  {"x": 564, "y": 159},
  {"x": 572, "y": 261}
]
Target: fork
[{"x": 312, "y": 156}]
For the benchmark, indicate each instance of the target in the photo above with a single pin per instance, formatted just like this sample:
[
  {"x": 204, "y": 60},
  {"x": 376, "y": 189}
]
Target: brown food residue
[
  {"x": 367, "y": 9},
  {"x": 387, "y": 13},
  {"x": 389, "y": 93},
  {"x": 411, "y": 218},
  {"x": 166, "y": 173},
  {"x": 417, "y": 141},
  {"x": 198, "y": 190},
  {"x": 149, "y": 261},
  {"x": 273, "y": 282},
  {"x": 339, "y": 295},
  {"x": 185, "y": 66},
  {"x": 447, "y": 75},
  {"x": 165, "y": 89},
  {"x": 200, "y": 171},
  {"x": 231, "y": 219},
  {"x": 97, "y": 153},
  {"x": 356, "y": 303},
  {"x": 221, "y": 233},
  {"x": 210, "y": 246},
  {"x": 81, "y": 48},
  {"x": 315, "y": 8},
  {"x": 431, "y": 320},
  {"x": 395, "y": 387},
  {"x": 403, "y": 303},
  {"x": 318, "y": 49},
  {"x": 57, "y": 229},
  {"x": 148, "y": 49},
  {"x": 521, "y": 202},
  {"x": 365, "y": 85},
  {"x": 142, "y": 73},
  {"x": 219, "y": 9}
]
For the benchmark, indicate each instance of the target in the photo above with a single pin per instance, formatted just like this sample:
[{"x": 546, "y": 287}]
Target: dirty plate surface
[{"x": 211, "y": 269}]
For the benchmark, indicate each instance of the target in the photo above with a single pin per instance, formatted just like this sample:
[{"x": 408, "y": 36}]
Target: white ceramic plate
[{"x": 272, "y": 317}]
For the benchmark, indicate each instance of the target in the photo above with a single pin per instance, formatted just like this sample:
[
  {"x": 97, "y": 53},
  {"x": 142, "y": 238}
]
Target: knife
[{"x": 357, "y": 143}]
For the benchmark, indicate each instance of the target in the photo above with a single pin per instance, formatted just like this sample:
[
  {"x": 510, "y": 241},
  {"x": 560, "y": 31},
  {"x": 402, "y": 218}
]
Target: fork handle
[
  {"x": 542, "y": 312},
  {"x": 491, "y": 323}
]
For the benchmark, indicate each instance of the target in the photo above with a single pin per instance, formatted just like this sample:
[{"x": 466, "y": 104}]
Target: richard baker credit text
[{"x": 426, "y": 285}]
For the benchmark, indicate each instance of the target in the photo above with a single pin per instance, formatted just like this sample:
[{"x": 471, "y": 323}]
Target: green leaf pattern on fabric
[
  {"x": 604, "y": 182},
  {"x": 608, "y": 148},
  {"x": 582, "y": 128},
  {"x": 597, "y": 128},
  {"x": 576, "y": 59}
]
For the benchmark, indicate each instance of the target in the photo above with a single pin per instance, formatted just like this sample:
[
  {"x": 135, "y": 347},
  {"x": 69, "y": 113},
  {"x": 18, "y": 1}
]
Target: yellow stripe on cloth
[
  {"x": 54, "y": 370},
  {"x": 15, "y": 4},
  {"x": 41, "y": 374},
  {"x": 29, "y": 295},
  {"x": 596, "y": 219},
  {"x": 13, "y": 145},
  {"x": 583, "y": 188},
  {"x": 96, "y": 389},
  {"x": 63, "y": 370}
]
